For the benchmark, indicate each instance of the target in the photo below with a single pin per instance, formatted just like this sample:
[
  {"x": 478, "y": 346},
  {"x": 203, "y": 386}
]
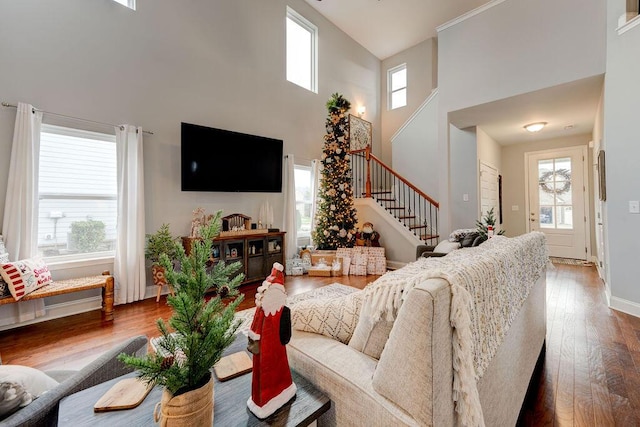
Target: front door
[{"x": 557, "y": 200}]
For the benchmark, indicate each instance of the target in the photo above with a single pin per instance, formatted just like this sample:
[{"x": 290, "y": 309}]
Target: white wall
[
  {"x": 415, "y": 149},
  {"x": 421, "y": 61},
  {"x": 489, "y": 151},
  {"x": 213, "y": 63},
  {"x": 621, "y": 136},
  {"x": 464, "y": 180},
  {"x": 515, "y": 47}
]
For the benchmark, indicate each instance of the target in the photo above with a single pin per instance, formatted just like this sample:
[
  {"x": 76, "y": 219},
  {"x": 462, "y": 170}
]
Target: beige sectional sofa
[{"x": 412, "y": 382}]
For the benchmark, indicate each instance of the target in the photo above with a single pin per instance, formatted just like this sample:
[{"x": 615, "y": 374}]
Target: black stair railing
[{"x": 371, "y": 178}]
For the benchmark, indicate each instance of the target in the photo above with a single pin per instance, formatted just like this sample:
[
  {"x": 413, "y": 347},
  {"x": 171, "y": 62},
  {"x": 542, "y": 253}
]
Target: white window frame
[
  {"x": 390, "y": 92},
  {"x": 131, "y": 4},
  {"x": 88, "y": 258},
  {"x": 313, "y": 31},
  {"x": 304, "y": 238}
]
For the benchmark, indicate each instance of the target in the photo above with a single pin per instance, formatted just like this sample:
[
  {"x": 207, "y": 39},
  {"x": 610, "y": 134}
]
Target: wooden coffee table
[{"x": 230, "y": 403}]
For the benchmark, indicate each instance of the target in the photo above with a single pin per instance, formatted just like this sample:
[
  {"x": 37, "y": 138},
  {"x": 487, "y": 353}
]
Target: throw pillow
[
  {"x": 446, "y": 246},
  {"x": 25, "y": 276},
  {"x": 469, "y": 239},
  {"x": 370, "y": 337},
  {"x": 12, "y": 397},
  {"x": 335, "y": 318},
  {"x": 31, "y": 380}
]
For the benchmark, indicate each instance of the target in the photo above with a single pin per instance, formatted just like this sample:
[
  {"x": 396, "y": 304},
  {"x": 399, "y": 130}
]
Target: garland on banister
[{"x": 336, "y": 216}]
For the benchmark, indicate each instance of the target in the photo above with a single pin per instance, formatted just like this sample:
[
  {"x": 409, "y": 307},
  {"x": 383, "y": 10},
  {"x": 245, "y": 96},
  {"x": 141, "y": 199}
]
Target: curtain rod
[{"x": 6, "y": 104}]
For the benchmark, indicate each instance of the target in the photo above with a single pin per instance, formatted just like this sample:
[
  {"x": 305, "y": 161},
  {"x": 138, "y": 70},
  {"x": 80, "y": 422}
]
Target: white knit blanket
[{"x": 489, "y": 285}]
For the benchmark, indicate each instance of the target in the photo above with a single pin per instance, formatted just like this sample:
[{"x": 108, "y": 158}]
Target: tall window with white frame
[
  {"x": 302, "y": 51},
  {"x": 304, "y": 201},
  {"x": 397, "y": 86},
  {"x": 77, "y": 188}
]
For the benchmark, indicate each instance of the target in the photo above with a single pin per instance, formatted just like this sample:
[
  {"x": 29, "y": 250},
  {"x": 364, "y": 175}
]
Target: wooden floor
[{"x": 590, "y": 375}]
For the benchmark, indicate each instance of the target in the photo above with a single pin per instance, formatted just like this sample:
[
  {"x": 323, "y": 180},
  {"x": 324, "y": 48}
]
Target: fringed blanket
[{"x": 489, "y": 285}]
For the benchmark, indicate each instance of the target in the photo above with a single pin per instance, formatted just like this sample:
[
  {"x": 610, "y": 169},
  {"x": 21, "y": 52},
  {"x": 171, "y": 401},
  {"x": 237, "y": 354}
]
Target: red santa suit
[{"x": 271, "y": 385}]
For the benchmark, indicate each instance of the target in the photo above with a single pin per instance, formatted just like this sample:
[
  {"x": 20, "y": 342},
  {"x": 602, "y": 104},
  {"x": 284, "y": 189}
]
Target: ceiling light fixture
[{"x": 535, "y": 127}]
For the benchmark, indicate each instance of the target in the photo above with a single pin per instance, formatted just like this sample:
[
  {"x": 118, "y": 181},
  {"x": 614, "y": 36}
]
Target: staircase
[{"x": 414, "y": 209}]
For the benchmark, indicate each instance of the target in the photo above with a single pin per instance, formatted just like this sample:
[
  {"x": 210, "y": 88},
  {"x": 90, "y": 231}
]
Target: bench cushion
[{"x": 25, "y": 276}]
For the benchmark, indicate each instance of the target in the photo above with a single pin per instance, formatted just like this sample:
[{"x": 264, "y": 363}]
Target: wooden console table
[
  {"x": 256, "y": 252},
  {"x": 230, "y": 403}
]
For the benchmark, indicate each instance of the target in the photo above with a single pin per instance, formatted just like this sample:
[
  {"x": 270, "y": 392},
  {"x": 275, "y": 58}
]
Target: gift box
[
  {"x": 297, "y": 271},
  {"x": 346, "y": 265},
  {"x": 379, "y": 265},
  {"x": 359, "y": 270},
  {"x": 360, "y": 259},
  {"x": 376, "y": 251},
  {"x": 320, "y": 271}
]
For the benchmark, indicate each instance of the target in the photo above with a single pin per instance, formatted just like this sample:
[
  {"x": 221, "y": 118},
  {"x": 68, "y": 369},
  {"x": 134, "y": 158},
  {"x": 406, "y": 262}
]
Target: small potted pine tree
[
  {"x": 201, "y": 330},
  {"x": 483, "y": 225},
  {"x": 158, "y": 243}
]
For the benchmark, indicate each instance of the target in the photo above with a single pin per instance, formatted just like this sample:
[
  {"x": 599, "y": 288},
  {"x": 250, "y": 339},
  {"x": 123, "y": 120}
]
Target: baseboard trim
[
  {"x": 63, "y": 309},
  {"x": 626, "y": 306}
]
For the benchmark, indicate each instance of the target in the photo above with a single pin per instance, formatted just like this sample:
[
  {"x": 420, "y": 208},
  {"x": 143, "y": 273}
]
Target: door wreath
[{"x": 547, "y": 179}]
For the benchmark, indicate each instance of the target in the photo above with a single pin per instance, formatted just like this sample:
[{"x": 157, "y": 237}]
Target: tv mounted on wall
[{"x": 222, "y": 160}]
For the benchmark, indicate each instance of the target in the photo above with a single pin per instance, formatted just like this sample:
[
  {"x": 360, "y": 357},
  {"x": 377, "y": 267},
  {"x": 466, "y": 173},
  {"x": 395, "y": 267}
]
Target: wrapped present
[
  {"x": 320, "y": 271},
  {"x": 4, "y": 257},
  {"x": 380, "y": 265},
  {"x": 360, "y": 259},
  {"x": 376, "y": 252},
  {"x": 344, "y": 252},
  {"x": 371, "y": 267},
  {"x": 336, "y": 267},
  {"x": 297, "y": 271},
  {"x": 359, "y": 270},
  {"x": 346, "y": 265}
]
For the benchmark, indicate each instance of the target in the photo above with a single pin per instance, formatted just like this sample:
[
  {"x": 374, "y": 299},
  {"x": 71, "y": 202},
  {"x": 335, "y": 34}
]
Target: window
[
  {"x": 131, "y": 4},
  {"x": 304, "y": 201},
  {"x": 302, "y": 51},
  {"x": 397, "y": 83},
  {"x": 77, "y": 188}
]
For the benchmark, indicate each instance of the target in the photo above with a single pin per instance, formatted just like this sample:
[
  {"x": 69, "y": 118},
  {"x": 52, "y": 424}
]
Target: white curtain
[
  {"x": 129, "y": 268},
  {"x": 290, "y": 226},
  {"x": 315, "y": 187},
  {"x": 20, "y": 223}
]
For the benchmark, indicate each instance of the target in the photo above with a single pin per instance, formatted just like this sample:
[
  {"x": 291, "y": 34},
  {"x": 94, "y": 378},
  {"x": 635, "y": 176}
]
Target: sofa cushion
[
  {"x": 25, "y": 276},
  {"x": 446, "y": 246},
  {"x": 335, "y": 317},
  {"x": 370, "y": 336}
]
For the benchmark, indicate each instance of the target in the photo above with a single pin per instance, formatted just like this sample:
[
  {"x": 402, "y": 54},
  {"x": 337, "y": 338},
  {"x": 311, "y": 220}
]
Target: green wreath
[{"x": 546, "y": 184}]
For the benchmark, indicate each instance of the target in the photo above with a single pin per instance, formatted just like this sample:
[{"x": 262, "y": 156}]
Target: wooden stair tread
[
  {"x": 413, "y": 227},
  {"x": 407, "y": 217},
  {"x": 396, "y": 207},
  {"x": 429, "y": 236},
  {"x": 386, "y": 200}
]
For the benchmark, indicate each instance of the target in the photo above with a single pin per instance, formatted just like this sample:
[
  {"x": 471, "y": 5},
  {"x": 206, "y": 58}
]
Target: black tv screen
[{"x": 221, "y": 160}]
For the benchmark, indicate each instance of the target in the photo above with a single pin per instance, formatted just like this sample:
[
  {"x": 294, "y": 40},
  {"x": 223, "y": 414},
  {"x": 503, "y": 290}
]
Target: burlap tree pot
[{"x": 191, "y": 409}]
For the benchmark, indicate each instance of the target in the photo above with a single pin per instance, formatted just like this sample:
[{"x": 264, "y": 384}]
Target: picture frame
[
  {"x": 360, "y": 133},
  {"x": 602, "y": 176}
]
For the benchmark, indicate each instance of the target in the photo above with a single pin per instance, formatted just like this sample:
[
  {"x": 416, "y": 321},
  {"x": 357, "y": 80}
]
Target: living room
[{"x": 223, "y": 66}]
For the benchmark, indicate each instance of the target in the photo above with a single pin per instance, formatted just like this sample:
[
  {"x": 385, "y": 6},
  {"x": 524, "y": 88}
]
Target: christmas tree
[
  {"x": 336, "y": 216},
  {"x": 483, "y": 226},
  {"x": 203, "y": 329}
]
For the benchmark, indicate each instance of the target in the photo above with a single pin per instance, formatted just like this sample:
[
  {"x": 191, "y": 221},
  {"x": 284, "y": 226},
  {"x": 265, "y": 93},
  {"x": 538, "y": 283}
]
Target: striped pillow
[{"x": 25, "y": 276}]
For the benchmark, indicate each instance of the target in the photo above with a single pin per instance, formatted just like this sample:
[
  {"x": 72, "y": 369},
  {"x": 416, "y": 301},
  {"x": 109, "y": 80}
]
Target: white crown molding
[
  {"x": 415, "y": 113},
  {"x": 468, "y": 15}
]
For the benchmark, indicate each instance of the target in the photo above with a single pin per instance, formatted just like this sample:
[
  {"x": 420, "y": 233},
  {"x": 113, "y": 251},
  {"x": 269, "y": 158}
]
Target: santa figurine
[{"x": 271, "y": 386}]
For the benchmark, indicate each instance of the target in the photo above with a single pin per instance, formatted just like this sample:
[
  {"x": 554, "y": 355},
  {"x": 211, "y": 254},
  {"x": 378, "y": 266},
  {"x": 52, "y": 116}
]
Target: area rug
[
  {"x": 570, "y": 261},
  {"x": 326, "y": 292}
]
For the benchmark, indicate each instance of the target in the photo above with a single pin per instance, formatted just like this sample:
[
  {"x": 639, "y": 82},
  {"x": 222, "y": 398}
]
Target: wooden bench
[{"x": 61, "y": 287}]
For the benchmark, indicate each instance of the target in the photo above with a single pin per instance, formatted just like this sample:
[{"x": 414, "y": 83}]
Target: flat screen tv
[{"x": 221, "y": 160}]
